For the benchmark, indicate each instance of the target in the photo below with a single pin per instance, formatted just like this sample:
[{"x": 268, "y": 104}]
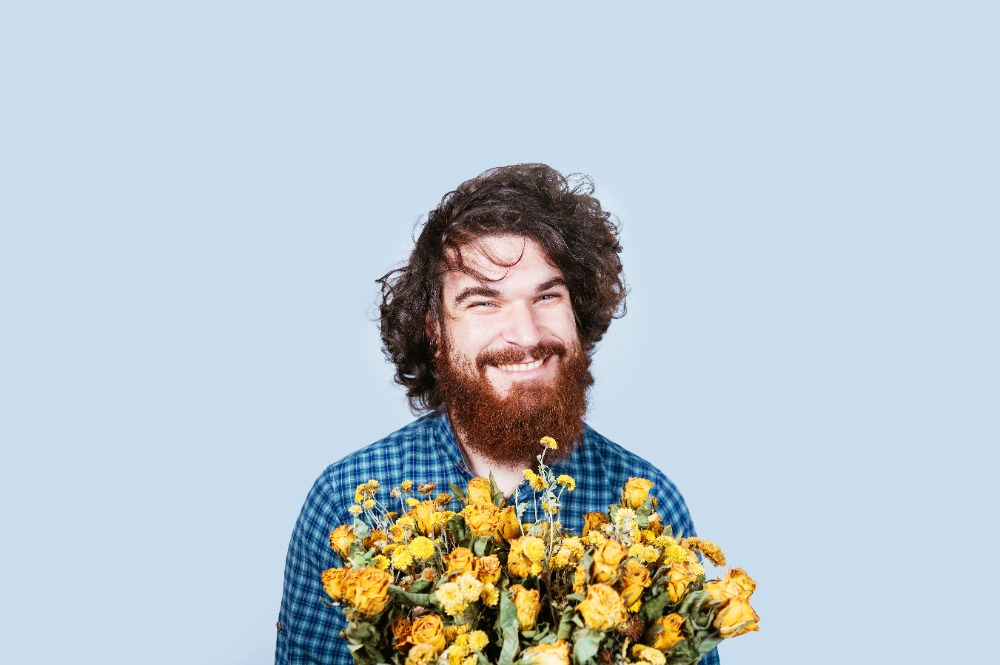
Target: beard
[{"x": 506, "y": 429}]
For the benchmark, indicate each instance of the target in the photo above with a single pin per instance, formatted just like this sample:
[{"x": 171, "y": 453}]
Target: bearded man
[{"x": 491, "y": 325}]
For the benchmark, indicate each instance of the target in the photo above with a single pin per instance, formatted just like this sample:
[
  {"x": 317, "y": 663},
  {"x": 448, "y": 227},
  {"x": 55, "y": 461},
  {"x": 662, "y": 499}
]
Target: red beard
[{"x": 506, "y": 430}]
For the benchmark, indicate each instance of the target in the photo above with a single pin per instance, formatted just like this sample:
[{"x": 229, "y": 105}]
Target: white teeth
[{"x": 522, "y": 367}]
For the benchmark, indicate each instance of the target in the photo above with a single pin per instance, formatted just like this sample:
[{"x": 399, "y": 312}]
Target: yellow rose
[
  {"x": 518, "y": 564},
  {"x": 606, "y": 560},
  {"x": 428, "y": 629},
  {"x": 635, "y": 492},
  {"x": 594, "y": 522},
  {"x": 527, "y": 603},
  {"x": 461, "y": 560},
  {"x": 333, "y": 582},
  {"x": 737, "y": 584},
  {"x": 556, "y": 653},
  {"x": 421, "y": 654},
  {"x": 370, "y": 587},
  {"x": 603, "y": 608},
  {"x": 655, "y": 524},
  {"x": 479, "y": 492},
  {"x": 341, "y": 539},
  {"x": 401, "y": 632},
  {"x": 635, "y": 578},
  {"x": 736, "y": 618},
  {"x": 482, "y": 519},
  {"x": 489, "y": 569},
  {"x": 579, "y": 579},
  {"x": 648, "y": 655},
  {"x": 508, "y": 527},
  {"x": 678, "y": 580},
  {"x": 423, "y": 513},
  {"x": 665, "y": 632}
]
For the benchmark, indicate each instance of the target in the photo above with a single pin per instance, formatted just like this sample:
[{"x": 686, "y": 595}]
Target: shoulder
[
  {"x": 378, "y": 459},
  {"x": 620, "y": 464}
]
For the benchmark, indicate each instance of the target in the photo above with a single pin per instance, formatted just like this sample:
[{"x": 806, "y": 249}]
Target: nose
[{"x": 522, "y": 327}]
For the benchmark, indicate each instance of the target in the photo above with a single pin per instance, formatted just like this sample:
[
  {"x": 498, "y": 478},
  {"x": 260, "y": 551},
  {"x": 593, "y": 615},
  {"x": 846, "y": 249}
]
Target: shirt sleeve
[{"x": 308, "y": 627}]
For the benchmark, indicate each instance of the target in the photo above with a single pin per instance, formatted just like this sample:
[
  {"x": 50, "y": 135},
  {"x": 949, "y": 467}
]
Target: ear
[{"x": 432, "y": 328}]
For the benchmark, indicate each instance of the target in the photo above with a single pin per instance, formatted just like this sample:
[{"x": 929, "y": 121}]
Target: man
[{"x": 491, "y": 326}]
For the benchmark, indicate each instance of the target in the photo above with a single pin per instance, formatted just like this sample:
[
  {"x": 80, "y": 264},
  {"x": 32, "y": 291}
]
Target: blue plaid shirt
[{"x": 426, "y": 451}]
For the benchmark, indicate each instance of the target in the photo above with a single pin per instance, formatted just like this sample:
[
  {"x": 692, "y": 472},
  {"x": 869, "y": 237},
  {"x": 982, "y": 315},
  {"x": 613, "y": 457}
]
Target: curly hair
[{"x": 531, "y": 200}]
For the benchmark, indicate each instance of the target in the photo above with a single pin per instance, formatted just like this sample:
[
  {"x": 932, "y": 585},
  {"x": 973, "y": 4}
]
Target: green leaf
[
  {"x": 566, "y": 624},
  {"x": 459, "y": 493},
  {"x": 654, "y": 607},
  {"x": 421, "y": 586},
  {"x": 508, "y": 628},
  {"x": 586, "y": 642},
  {"x": 498, "y": 498},
  {"x": 421, "y": 599}
]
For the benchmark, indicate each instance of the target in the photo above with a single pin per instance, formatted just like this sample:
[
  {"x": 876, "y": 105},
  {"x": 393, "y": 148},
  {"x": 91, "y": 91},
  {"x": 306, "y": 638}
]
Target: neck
[{"x": 506, "y": 477}]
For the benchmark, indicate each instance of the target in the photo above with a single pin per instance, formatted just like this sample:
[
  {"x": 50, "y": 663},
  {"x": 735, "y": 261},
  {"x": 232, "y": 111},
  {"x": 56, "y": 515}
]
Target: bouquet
[{"x": 426, "y": 585}]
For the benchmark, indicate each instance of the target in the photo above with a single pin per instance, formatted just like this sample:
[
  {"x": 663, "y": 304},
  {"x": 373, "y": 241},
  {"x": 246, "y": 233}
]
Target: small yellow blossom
[
  {"x": 421, "y": 548},
  {"x": 536, "y": 481},
  {"x": 355, "y": 510},
  {"x": 549, "y": 442},
  {"x": 369, "y": 504},
  {"x": 443, "y": 499},
  {"x": 567, "y": 482},
  {"x": 412, "y": 502},
  {"x": 635, "y": 607},
  {"x": 469, "y": 587},
  {"x": 490, "y": 596},
  {"x": 401, "y": 559},
  {"x": 450, "y": 596},
  {"x": 534, "y": 548},
  {"x": 636, "y": 550},
  {"x": 381, "y": 562},
  {"x": 406, "y": 486},
  {"x": 478, "y": 640}
]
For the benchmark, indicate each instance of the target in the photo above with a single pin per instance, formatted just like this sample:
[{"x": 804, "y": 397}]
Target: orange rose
[
  {"x": 518, "y": 564},
  {"x": 479, "y": 492},
  {"x": 489, "y": 569},
  {"x": 594, "y": 522},
  {"x": 341, "y": 539},
  {"x": 428, "y": 629},
  {"x": 401, "y": 632},
  {"x": 736, "y": 618},
  {"x": 483, "y": 519},
  {"x": 635, "y": 492},
  {"x": 368, "y": 590},
  {"x": 527, "y": 603},
  {"x": 461, "y": 560},
  {"x": 373, "y": 539},
  {"x": 556, "y": 653},
  {"x": 333, "y": 582},
  {"x": 603, "y": 608},
  {"x": 635, "y": 578},
  {"x": 665, "y": 632},
  {"x": 606, "y": 560},
  {"x": 579, "y": 579},
  {"x": 734, "y": 584}
]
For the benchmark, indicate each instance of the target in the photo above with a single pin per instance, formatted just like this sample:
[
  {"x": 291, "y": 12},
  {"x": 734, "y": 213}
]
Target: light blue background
[{"x": 197, "y": 198}]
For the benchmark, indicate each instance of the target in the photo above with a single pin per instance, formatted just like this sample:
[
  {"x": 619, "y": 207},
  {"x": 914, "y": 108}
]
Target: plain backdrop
[{"x": 196, "y": 199}]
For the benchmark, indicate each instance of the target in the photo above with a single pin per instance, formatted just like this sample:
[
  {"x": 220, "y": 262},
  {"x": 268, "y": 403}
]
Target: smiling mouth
[{"x": 523, "y": 367}]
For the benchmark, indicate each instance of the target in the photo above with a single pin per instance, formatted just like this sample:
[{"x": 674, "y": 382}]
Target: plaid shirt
[{"x": 426, "y": 451}]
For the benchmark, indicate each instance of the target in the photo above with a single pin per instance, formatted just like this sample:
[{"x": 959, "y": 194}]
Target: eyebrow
[{"x": 483, "y": 291}]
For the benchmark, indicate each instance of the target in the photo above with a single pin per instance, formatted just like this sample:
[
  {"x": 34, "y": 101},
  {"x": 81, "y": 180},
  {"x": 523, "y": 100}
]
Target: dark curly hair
[{"x": 532, "y": 200}]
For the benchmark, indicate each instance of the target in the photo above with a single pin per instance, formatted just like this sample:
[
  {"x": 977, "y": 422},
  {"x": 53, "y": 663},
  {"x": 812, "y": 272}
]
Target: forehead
[{"x": 499, "y": 260}]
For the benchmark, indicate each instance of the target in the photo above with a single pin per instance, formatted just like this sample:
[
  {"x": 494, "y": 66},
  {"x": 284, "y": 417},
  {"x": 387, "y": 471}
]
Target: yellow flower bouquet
[{"x": 431, "y": 586}]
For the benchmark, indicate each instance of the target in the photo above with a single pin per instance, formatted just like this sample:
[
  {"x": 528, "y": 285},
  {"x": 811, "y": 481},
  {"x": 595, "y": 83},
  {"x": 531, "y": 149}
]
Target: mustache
[{"x": 509, "y": 356}]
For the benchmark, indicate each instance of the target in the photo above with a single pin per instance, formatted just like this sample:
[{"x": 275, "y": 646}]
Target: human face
[{"x": 501, "y": 325}]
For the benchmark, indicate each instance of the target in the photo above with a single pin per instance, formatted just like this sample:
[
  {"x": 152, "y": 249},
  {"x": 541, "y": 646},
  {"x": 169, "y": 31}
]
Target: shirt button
[{"x": 278, "y": 625}]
